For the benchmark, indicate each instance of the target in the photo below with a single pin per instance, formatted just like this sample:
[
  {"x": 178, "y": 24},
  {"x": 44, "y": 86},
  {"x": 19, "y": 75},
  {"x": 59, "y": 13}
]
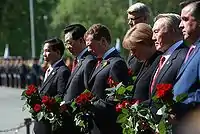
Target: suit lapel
[
  {"x": 51, "y": 75},
  {"x": 189, "y": 60},
  {"x": 98, "y": 69},
  {"x": 74, "y": 72}
]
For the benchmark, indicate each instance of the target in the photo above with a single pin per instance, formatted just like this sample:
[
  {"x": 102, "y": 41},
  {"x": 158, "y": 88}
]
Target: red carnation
[
  {"x": 130, "y": 72},
  {"x": 125, "y": 103},
  {"x": 45, "y": 100},
  {"x": 37, "y": 108},
  {"x": 118, "y": 107},
  {"x": 111, "y": 82},
  {"x": 31, "y": 90},
  {"x": 164, "y": 91},
  {"x": 52, "y": 101},
  {"x": 84, "y": 98}
]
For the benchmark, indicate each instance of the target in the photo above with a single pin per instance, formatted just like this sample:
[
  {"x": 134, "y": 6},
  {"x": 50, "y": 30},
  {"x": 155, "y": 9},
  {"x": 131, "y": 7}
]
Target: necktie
[
  {"x": 98, "y": 62},
  {"x": 74, "y": 64},
  {"x": 162, "y": 60},
  {"x": 189, "y": 52},
  {"x": 47, "y": 74}
]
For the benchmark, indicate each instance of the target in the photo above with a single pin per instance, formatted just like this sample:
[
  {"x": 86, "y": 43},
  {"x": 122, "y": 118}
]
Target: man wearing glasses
[{"x": 137, "y": 13}]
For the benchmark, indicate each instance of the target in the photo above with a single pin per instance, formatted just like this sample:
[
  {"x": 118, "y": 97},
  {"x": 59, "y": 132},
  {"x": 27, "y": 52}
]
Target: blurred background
[
  {"x": 51, "y": 16},
  {"x": 25, "y": 24}
]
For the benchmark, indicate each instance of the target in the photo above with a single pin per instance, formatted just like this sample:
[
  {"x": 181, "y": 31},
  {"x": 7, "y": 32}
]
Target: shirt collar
[
  {"x": 55, "y": 64},
  {"x": 172, "y": 48},
  {"x": 108, "y": 53},
  {"x": 82, "y": 53}
]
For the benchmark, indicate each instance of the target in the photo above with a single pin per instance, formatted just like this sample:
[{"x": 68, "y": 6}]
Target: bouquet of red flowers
[
  {"x": 43, "y": 108},
  {"x": 82, "y": 111}
]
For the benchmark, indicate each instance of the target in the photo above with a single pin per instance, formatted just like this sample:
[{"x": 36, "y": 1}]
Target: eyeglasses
[{"x": 136, "y": 18}]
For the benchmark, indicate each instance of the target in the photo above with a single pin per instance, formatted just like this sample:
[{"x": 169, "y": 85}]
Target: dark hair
[
  {"x": 185, "y": 3},
  {"x": 77, "y": 31},
  {"x": 56, "y": 44},
  {"x": 98, "y": 31},
  {"x": 195, "y": 7}
]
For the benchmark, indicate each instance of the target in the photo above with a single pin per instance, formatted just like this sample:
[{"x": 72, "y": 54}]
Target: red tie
[
  {"x": 98, "y": 62},
  {"x": 162, "y": 60},
  {"x": 47, "y": 73},
  {"x": 74, "y": 64},
  {"x": 189, "y": 52}
]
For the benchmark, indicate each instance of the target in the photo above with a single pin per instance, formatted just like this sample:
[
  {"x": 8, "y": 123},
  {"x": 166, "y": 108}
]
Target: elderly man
[
  {"x": 137, "y": 13},
  {"x": 188, "y": 77},
  {"x": 167, "y": 37}
]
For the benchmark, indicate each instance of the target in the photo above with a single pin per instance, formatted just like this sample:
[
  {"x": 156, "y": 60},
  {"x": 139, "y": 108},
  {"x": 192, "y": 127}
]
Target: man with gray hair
[
  {"x": 137, "y": 13},
  {"x": 168, "y": 39}
]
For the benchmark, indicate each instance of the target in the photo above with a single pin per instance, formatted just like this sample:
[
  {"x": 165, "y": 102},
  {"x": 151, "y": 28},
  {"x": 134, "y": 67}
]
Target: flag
[{"x": 6, "y": 51}]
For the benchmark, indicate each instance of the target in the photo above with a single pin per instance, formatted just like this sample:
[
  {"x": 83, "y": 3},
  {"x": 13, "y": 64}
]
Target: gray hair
[
  {"x": 139, "y": 8},
  {"x": 172, "y": 20}
]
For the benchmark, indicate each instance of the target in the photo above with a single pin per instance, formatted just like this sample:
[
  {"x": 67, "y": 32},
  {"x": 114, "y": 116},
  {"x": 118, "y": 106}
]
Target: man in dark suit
[
  {"x": 137, "y": 13},
  {"x": 55, "y": 80},
  {"x": 84, "y": 60},
  {"x": 168, "y": 39},
  {"x": 110, "y": 64}
]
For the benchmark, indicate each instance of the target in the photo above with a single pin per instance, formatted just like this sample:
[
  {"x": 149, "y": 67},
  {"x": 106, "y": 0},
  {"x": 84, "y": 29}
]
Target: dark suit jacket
[
  {"x": 134, "y": 64},
  {"x": 53, "y": 86},
  {"x": 171, "y": 68},
  {"x": 141, "y": 85},
  {"x": 168, "y": 72},
  {"x": 105, "y": 116},
  {"x": 79, "y": 78}
]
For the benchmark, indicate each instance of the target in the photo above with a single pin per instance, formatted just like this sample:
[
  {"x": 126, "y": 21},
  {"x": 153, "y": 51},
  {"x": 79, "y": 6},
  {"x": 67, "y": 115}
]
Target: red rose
[
  {"x": 164, "y": 90},
  {"x": 52, "y": 101},
  {"x": 45, "y": 100},
  {"x": 118, "y": 107},
  {"x": 111, "y": 82},
  {"x": 125, "y": 103},
  {"x": 130, "y": 72},
  {"x": 32, "y": 88},
  {"x": 28, "y": 92},
  {"x": 37, "y": 108},
  {"x": 84, "y": 98}
]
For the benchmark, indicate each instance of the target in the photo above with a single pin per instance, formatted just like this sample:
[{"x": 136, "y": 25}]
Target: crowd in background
[{"x": 17, "y": 72}]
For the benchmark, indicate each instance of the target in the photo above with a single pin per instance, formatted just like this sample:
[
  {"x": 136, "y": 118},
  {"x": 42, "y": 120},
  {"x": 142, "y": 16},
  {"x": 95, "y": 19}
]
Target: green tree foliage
[
  {"x": 15, "y": 25},
  {"x": 111, "y": 13}
]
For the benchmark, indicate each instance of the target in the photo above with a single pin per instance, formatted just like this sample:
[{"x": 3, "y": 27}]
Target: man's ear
[{"x": 104, "y": 42}]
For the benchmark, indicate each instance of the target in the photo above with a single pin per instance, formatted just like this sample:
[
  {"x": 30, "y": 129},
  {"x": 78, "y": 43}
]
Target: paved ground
[{"x": 11, "y": 114}]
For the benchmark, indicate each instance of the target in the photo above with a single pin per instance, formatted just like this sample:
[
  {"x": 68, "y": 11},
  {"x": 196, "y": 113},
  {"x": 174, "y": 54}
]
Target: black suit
[
  {"x": 53, "y": 86},
  {"x": 105, "y": 116},
  {"x": 171, "y": 67},
  {"x": 79, "y": 78},
  {"x": 134, "y": 64},
  {"x": 141, "y": 85}
]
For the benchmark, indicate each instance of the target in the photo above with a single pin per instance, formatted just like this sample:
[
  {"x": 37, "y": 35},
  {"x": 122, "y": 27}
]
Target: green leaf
[
  {"x": 134, "y": 78},
  {"x": 181, "y": 97},
  {"x": 40, "y": 115},
  {"x": 122, "y": 118},
  {"x": 58, "y": 99},
  {"x": 73, "y": 105},
  {"x": 129, "y": 88},
  {"x": 162, "y": 127},
  {"x": 121, "y": 90},
  {"x": 125, "y": 111},
  {"x": 86, "y": 91}
]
